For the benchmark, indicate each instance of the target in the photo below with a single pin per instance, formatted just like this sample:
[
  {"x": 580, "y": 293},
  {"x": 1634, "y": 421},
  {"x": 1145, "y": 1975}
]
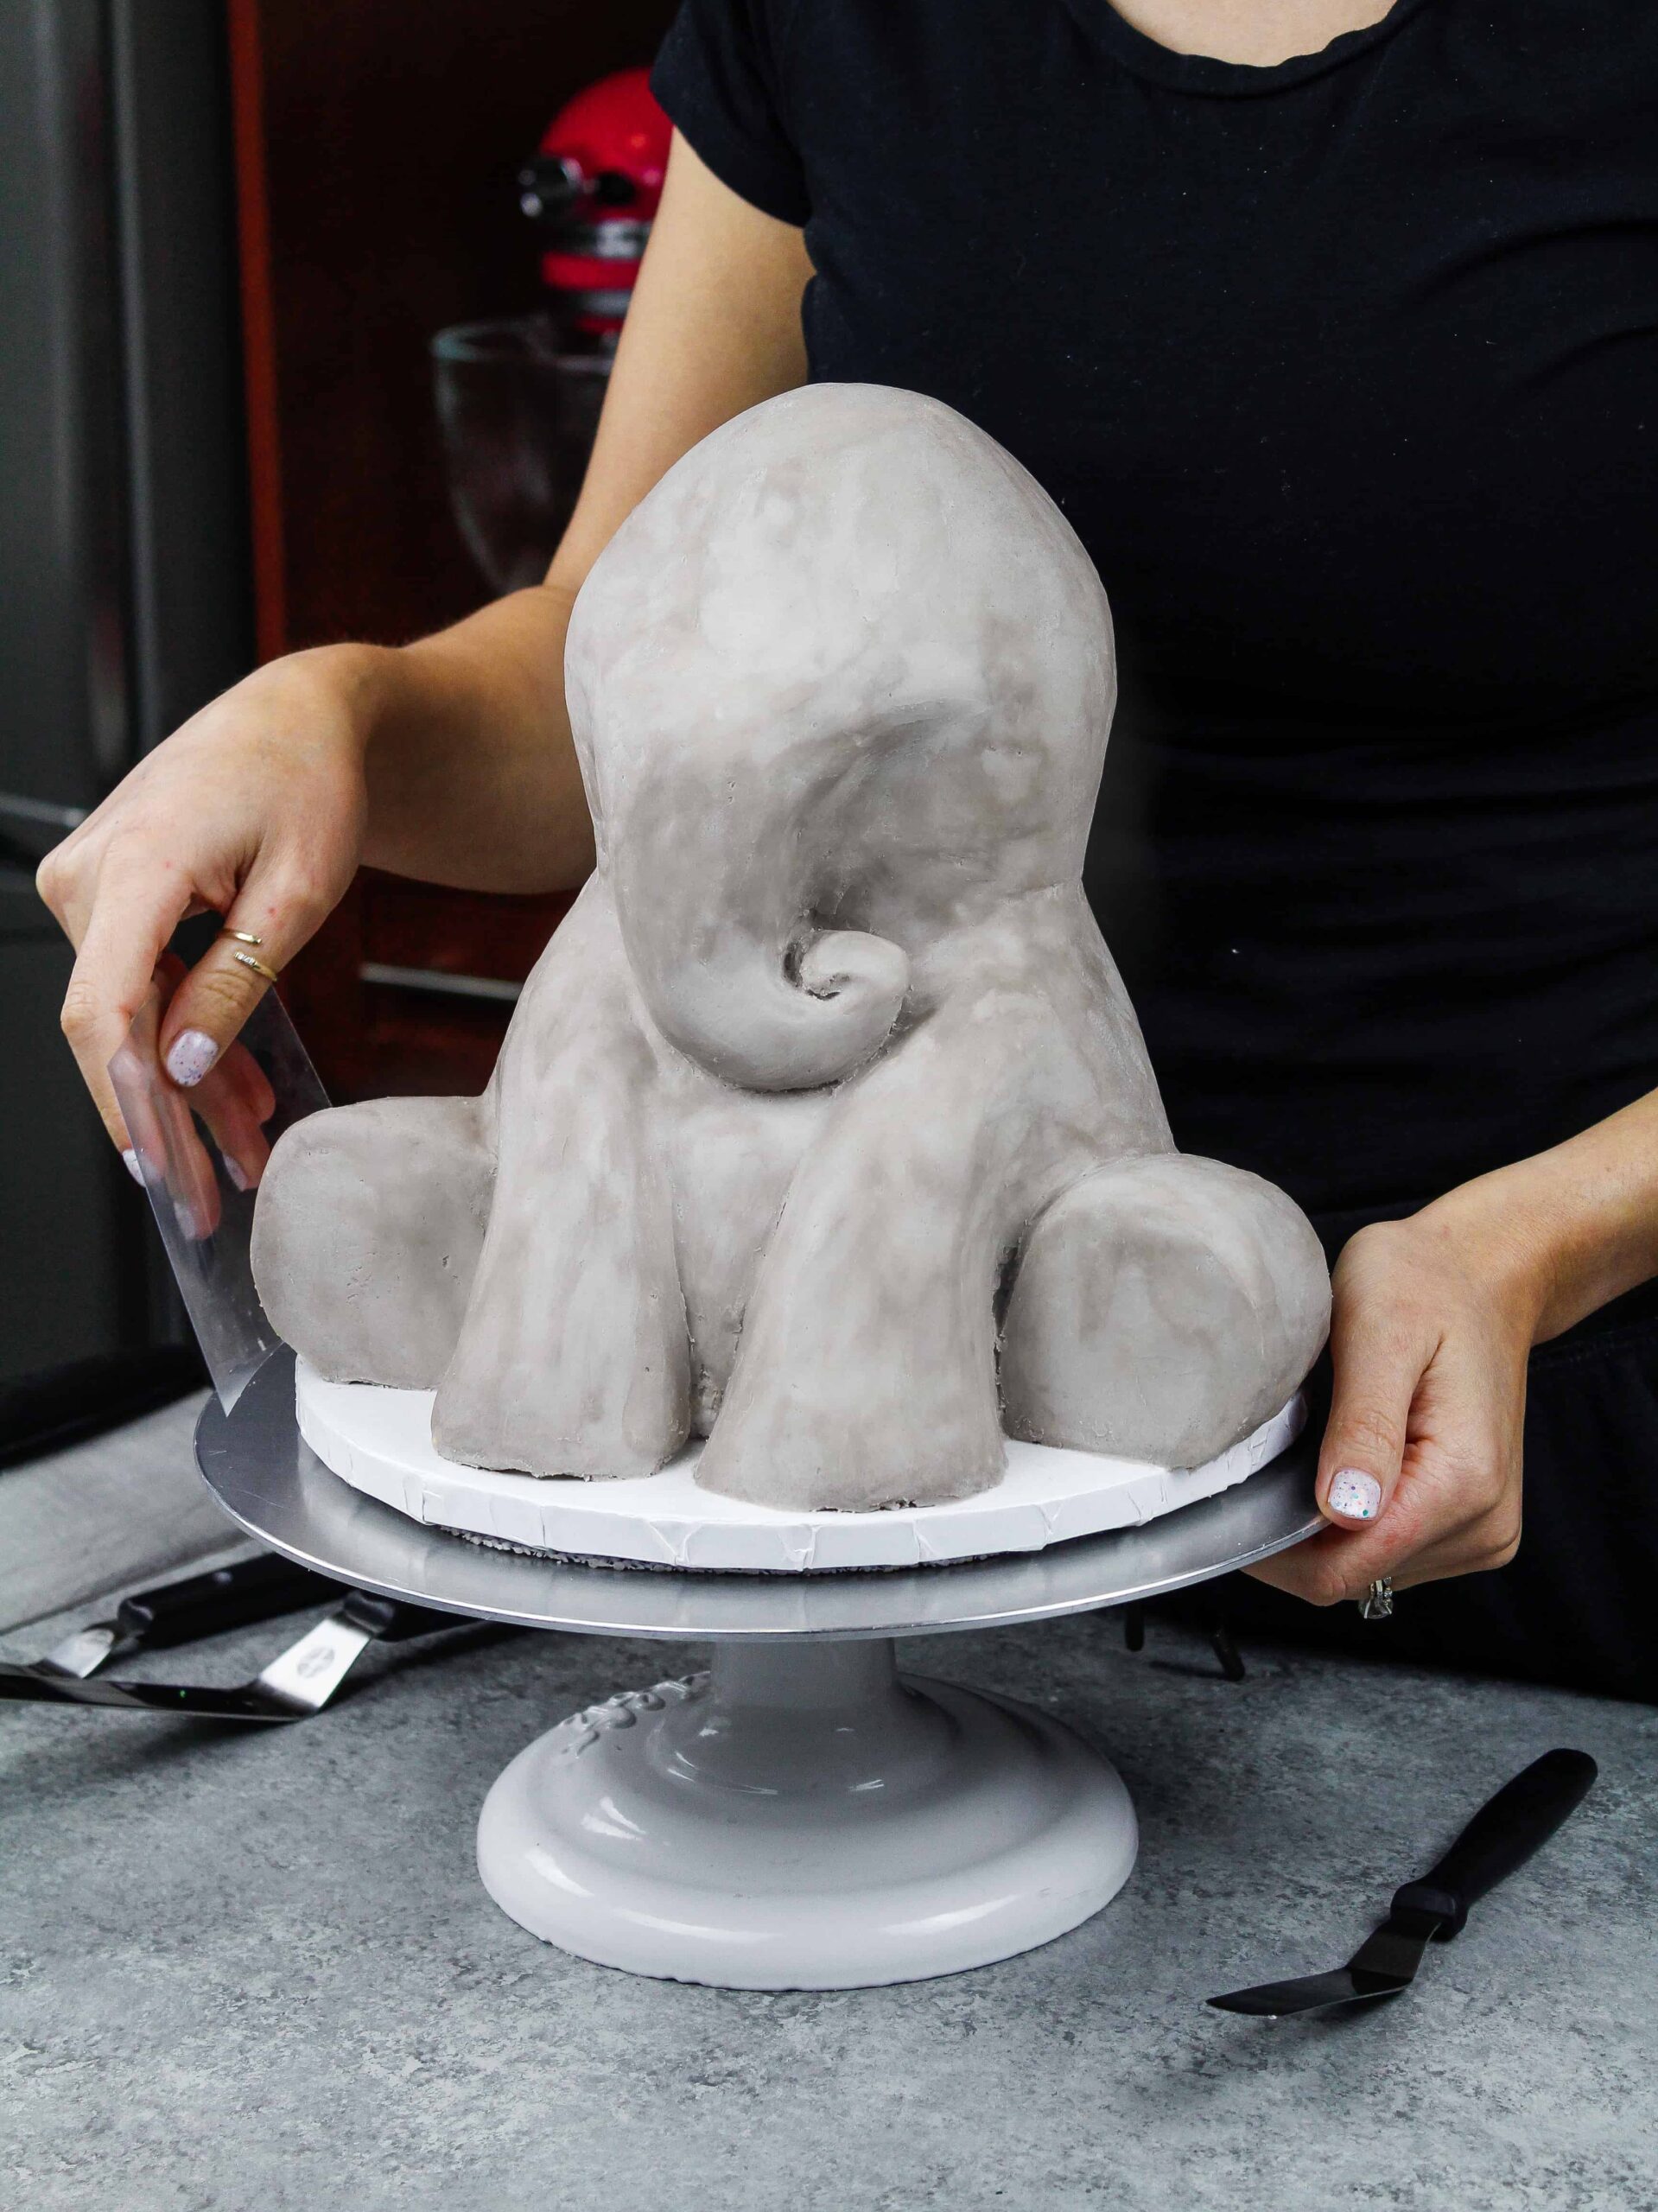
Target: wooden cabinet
[{"x": 377, "y": 143}]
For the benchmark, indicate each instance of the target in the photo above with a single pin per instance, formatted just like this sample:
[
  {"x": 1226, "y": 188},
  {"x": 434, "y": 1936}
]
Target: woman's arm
[
  {"x": 1421, "y": 1470},
  {"x": 714, "y": 328},
  {"x": 449, "y": 760}
]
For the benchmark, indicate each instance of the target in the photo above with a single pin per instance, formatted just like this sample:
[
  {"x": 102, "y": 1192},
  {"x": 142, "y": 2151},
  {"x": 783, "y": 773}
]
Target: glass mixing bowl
[{"x": 518, "y": 418}]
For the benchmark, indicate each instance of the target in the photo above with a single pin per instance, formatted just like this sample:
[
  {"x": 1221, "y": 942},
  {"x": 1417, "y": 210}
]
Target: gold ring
[
  {"x": 257, "y": 966},
  {"x": 242, "y": 936}
]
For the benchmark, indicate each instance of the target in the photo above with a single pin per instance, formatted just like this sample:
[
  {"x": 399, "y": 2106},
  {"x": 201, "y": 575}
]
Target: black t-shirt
[{"x": 1346, "y": 373}]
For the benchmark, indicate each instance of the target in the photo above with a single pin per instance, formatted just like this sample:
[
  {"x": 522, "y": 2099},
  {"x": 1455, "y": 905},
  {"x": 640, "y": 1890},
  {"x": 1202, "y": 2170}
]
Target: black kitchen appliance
[{"x": 125, "y": 607}]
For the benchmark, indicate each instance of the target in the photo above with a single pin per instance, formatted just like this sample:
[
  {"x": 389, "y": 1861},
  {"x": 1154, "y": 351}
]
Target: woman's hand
[
  {"x": 1420, "y": 1474},
  {"x": 255, "y": 810}
]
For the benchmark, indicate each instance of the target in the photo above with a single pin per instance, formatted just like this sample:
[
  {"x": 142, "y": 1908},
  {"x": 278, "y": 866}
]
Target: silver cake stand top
[{"x": 271, "y": 1483}]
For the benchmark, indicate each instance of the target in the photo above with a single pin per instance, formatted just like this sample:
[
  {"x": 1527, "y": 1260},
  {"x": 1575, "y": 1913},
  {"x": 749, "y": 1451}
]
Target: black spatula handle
[
  {"x": 259, "y": 1589},
  {"x": 1501, "y": 1837}
]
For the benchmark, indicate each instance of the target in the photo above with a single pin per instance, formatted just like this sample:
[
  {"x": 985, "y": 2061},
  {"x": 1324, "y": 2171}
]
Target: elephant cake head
[
  {"x": 846, "y": 666},
  {"x": 823, "y": 1129}
]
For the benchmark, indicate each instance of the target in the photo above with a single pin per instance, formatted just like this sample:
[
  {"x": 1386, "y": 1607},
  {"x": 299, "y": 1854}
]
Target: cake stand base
[
  {"x": 804, "y": 1817},
  {"x": 801, "y": 1817}
]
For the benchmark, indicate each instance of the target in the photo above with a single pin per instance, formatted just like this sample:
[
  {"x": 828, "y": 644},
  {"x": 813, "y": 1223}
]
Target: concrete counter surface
[{"x": 255, "y": 1968}]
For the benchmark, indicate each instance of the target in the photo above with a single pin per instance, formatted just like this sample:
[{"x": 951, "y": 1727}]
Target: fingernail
[
  {"x": 190, "y": 1055},
  {"x": 136, "y": 1172},
  {"x": 187, "y": 1220},
  {"x": 237, "y": 1174},
  {"x": 1356, "y": 1495}
]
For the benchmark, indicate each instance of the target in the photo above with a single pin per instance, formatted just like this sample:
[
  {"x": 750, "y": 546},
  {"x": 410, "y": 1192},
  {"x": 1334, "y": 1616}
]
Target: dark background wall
[
  {"x": 124, "y": 588},
  {"x": 378, "y": 144}
]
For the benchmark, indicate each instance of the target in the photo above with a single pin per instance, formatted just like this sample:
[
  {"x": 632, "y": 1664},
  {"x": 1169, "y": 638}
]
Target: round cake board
[{"x": 380, "y": 1442}]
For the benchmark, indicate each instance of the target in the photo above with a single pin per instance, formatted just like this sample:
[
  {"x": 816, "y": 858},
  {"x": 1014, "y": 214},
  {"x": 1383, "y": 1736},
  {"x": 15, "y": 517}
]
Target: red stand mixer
[
  {"x": 518, "y": 398},
  {"x": 593, "y": 189}
]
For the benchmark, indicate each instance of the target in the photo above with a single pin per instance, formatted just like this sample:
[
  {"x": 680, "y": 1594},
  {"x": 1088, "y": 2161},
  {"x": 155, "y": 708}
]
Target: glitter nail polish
[
  {"x": 1355, "y": 1494},
  {"x": 189, "y": 1056}
]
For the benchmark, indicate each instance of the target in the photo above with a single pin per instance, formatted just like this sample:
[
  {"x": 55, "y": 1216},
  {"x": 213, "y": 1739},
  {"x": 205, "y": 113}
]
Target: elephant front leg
[
  {"x": 367, "y": 1232},
  {"x": 866, "y": 1370},
  {"x": 1163, "y": 1308},
  {"x": 574, "y": 1358}
]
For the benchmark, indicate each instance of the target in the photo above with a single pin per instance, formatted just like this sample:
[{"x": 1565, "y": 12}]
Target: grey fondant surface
[
  {"x": 829, "y": 1081},
  {"x": 256, "y": 1972}
]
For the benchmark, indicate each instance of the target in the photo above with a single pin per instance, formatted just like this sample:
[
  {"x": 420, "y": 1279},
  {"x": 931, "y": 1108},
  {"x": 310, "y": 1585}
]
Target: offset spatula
[
  {"x": 1501, "y": 1837},
  {"x": 258, "y": 1589},
  {"x": 298, "y": 1683}
]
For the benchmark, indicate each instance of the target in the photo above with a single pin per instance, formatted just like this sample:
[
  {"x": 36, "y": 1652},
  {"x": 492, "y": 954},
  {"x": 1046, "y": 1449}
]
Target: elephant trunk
[{"x": 715, "y": 894}]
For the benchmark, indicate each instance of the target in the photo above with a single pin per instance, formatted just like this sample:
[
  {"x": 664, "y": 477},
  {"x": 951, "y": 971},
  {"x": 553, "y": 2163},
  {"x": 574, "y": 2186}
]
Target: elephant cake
[{"x": 824, "y": 1129}]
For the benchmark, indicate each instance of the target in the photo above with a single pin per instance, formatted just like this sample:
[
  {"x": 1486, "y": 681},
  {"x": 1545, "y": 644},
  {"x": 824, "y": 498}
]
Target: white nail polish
[
  {"x": 189, "y": 1057},
  {"x": 136, "y": 1172},
  {"x": 187, "y": 1220},
  {"x": 1355, "y": 1494},
  {"x": 233, "y": 1168}
]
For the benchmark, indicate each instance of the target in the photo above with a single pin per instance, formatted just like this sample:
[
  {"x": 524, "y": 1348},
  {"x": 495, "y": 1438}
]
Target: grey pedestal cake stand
[{"x": 800, "y": 1816}]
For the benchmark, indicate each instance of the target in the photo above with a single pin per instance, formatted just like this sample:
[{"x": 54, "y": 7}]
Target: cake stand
[{"x": 801, "y": 1816}]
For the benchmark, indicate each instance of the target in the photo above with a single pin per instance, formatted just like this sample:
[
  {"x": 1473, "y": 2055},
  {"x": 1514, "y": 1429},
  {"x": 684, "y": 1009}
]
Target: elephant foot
[
  {"x": 886, "y": 1405},
  {"x": 506, "y": 1430},
  {"x": 1163, "y": 1307},
  {"x": 367, "y": 1234},
  {"x": 594, "y": 1403},
  {"x": 574, "y": 1357},
  {"x": 847, "y": 1457}
]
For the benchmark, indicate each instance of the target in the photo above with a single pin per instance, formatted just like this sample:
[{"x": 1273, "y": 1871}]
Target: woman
[{"x": 1334, "y": 329}]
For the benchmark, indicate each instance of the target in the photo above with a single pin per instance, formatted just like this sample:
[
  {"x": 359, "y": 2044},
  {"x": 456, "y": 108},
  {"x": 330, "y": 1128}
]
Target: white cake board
[
  {"x": 802, "y": 1816},
  {"x": 380, "y": 1442}
]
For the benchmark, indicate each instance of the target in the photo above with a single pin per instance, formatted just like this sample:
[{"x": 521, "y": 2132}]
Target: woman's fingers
[
  {"x": 271, "y": 919},
  {"x": 1466, "y": 1463},
  {"x": 255, "y": 809},
  {"x": 235, "y": 1100},
  {"x": 1380, "y": 1348},
  {"x": 134, "y": 912},
  {"x": 274, "y": 915},
  {"x": 253, "y": 1081},
  {"x": 1453, "y": 1505},
  {"x": 192, "y": 1184},
  {"x": 1384, "y": 1441}
]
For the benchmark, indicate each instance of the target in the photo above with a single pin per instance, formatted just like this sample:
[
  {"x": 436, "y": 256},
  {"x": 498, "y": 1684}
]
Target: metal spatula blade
[
  {"x": 1381, "y": 1967},
  {"x": 258, "y": 1589},
  {"x": 1501, "y": 1837},
  {"x": 297, "y": 1684}
]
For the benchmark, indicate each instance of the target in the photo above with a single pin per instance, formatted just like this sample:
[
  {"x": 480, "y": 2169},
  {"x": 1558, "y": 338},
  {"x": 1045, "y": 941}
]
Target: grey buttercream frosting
[{"x": 824, "y": 1127}]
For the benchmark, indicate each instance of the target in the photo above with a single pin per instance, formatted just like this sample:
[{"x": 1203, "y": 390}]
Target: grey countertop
[{"x": 256, "y": 1969}]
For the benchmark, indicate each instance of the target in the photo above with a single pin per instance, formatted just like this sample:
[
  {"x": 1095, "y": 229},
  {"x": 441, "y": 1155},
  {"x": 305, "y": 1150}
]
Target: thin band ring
[
  {"x": 242, "y": 936},
  {"x": 257, "y": 966}
]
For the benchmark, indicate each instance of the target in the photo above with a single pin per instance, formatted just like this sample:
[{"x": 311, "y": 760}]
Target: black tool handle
[
  {"x": 230, "y": 1597},
  {"x": 1501, "y": 1837}
]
